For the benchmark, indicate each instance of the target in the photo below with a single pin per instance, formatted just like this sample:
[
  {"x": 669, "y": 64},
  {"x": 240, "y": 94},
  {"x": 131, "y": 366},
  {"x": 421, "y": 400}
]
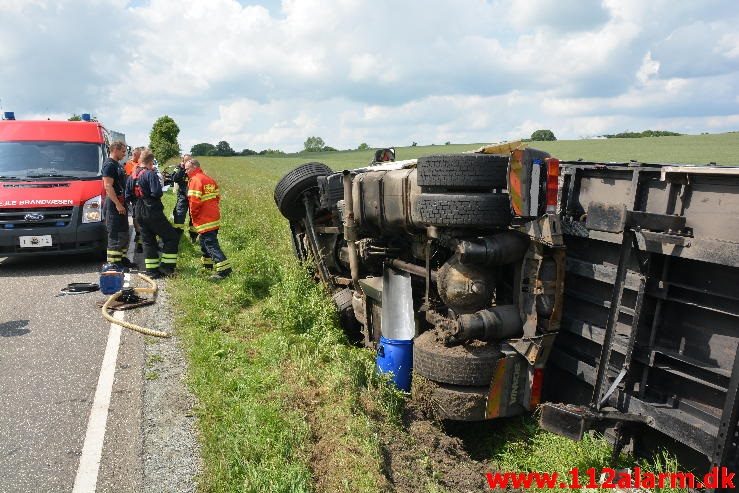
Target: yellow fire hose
[{"x": 129, "y": 325}]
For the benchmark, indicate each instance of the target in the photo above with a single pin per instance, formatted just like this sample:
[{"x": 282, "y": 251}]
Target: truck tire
[
  {"x": 291, "y": 188},
  {"x": 343, "y": 300},
  {"x": 469, "y": 364},
  {"x": 463, "y": 171},
  {"x": 352, "y": 328},
  {"x": 459, "y": 403},
  {"x": 465, "y": 210}
]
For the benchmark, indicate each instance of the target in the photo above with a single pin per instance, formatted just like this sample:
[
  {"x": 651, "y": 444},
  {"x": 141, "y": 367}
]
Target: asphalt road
[{"x": 51, "y": 351}]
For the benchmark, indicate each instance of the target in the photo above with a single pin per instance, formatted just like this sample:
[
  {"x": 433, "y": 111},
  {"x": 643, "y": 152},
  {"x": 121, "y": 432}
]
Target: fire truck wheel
[
  {"x": 468, "y": 364},
  {"x": 463, "y": 171},
  {"x": 291, "y": 188},
  {"x": 464, "y": 210}
]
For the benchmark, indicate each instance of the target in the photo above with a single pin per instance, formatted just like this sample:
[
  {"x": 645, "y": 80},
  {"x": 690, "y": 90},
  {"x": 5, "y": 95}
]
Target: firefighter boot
[
  {"x": 127, "y": 263},
  {"x": 206, "y": 263},
  {"x": 221, "y": 274}
]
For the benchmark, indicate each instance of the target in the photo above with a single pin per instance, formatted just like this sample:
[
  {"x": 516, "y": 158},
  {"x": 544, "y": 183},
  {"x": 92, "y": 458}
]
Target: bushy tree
[
  {"x": 363, "y": 147},
  {"x": 223, "y": 148},
  {"x": 544, "y": 134},
  {"x": 75, "y": 118},
  {"x": 414, "y": 144},
  {"x": 248, "y": 152},
  {"x": 314, "y": 144},
  {"x": 202, "y": 149},
  {"x": 272, "y": 152},
  {"x": 163, "y": 139}
]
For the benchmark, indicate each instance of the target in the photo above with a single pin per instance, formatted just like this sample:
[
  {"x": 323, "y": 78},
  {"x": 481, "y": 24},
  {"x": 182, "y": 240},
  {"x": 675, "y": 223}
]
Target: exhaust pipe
[
  {"x": 493, "y": 324},
  {"x": 501, "y": 249}
]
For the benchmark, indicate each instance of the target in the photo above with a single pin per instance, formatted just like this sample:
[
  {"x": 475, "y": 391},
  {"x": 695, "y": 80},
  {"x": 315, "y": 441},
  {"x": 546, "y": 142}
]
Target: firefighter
[
  {"x": 181, "y": 206},
  {"x": 114, "y": 208},
  {"x": 131, "y": 165},
  {"x": 149, "y": 213},
  {"x": 204, "y": 197}
]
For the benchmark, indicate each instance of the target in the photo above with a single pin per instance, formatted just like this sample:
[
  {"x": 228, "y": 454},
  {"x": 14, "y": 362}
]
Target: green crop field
[
  {"x": 690, "y": 149},
  {"x": 722, "y": 149},
  {"x": 285, "y": 403}
]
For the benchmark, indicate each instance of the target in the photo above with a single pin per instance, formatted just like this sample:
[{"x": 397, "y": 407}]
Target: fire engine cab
[{"x": 51, "y": 193}]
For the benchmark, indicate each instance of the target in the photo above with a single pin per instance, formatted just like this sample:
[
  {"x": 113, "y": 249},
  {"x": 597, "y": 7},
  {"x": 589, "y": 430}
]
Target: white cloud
[{"x": 382, "y": 72}]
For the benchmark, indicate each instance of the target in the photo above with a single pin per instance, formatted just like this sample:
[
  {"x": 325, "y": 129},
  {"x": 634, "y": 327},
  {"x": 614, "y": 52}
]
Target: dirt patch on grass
[
  {"x": 414, "y": 454},
  {"x": 420, "y": 453}
]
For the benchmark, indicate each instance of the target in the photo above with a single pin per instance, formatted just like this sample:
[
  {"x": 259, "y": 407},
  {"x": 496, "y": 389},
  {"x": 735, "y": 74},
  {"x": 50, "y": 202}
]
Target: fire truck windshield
[{"x": 38, "y": 160}]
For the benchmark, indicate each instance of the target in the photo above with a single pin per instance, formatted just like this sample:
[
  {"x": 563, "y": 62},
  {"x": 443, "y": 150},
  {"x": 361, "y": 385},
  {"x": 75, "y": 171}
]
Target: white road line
[{"x": 92, "y": 450}]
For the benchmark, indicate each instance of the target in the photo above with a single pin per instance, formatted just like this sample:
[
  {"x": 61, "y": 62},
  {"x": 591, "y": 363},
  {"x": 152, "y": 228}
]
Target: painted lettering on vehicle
[
  {"x": 515, "y": 380},
  {"x": 21, "y": 203}
]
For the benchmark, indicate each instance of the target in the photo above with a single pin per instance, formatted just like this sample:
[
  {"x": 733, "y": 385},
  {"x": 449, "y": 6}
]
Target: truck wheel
[
  {"x": 463, "y": 171},
  {"x": 470, "y": 210},
  {"x": 469, "y": 364},
  {"x": 291, "y": 188},
  {"x": 459, "y": 403},
  {"x": 343, "y": 301}
]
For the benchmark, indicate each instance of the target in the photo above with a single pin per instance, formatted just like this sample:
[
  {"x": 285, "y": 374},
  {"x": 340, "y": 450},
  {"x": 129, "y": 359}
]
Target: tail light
[
  {"x": 552, "y": 183},
  {"x": 536, "y": 385}
]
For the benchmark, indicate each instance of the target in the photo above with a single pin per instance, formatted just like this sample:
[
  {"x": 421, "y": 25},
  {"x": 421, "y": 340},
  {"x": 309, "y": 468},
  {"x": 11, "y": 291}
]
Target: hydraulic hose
[{"x": 129, "y": 325}]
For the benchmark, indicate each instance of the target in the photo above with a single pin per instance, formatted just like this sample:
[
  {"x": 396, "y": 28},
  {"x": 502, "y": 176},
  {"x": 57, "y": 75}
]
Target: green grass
[
  {"x": 691, "y": 149},
  {"x": 285, "y": 404}
]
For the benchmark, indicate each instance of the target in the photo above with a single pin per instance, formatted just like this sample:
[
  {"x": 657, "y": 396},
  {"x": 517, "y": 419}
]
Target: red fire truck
[{"x": 51, "y": 193}]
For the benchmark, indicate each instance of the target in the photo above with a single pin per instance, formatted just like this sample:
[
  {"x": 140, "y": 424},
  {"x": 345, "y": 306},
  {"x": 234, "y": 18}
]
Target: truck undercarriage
[{"x": 610, "y": 285}]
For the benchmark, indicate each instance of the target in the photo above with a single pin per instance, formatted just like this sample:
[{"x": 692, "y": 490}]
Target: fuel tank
[{"x": 383, "y": 201}]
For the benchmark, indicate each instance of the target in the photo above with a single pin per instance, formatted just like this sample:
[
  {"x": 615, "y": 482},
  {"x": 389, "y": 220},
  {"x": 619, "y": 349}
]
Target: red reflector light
[
  {"x": 552, "y": 164},
  {"x": 536, "y": 385}
]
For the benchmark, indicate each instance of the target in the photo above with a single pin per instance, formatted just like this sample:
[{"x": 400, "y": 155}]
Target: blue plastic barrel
[
  {"x": 396, "y": 356},
  {"x": 111, "y": 279}
]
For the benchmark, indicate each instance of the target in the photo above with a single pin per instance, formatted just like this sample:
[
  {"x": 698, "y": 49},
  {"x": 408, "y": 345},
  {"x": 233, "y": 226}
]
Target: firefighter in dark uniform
[
  {"x": 181, "y": 206},
  {"x": 114, "y": 209},
  {"x": 149, "y": 213}
]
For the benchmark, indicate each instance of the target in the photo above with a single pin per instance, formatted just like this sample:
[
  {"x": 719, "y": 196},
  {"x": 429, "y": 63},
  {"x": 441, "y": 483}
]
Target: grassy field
[
  {"x": 687, "y": 149},
  {"x": 285, "y": 403}
]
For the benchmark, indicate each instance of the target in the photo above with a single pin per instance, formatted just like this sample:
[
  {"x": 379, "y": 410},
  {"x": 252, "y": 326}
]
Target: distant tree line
[
  {"x": 644, "y": 133},
  {"x": 222, "y": 149}
]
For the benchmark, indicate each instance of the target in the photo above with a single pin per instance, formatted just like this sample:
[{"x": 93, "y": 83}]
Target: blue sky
[{"x": 270, "y": 74}]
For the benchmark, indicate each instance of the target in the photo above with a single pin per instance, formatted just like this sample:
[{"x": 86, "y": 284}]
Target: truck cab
[{"x": 51, "y": 193}]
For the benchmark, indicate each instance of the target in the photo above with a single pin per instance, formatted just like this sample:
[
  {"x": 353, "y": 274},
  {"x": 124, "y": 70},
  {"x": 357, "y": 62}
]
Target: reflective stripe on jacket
[{"x": 203, "y": 198}]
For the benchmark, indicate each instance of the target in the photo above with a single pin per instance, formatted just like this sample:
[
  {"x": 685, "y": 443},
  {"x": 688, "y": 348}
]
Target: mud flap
[{"x": 509, "y": 388}]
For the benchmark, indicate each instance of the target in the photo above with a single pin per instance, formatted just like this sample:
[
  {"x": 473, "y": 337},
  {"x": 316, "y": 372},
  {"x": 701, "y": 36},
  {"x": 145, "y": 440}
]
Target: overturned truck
[
  {"x": 469, "y": 249},
  {"x": 440, "y": 244}
]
